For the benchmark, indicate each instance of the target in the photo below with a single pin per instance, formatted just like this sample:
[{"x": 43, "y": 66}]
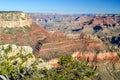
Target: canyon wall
[{"x": 14, "y": 19}]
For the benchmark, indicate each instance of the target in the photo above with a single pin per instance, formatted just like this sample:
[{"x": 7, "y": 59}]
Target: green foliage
[
  {"x": 8, "y": 49},
  {"x": 15, "y": 70},
  {"x": 23, "y": 18},
  {"x": 64, "y": 60},
  {"x": 1, "y": 43},
  {"x": 14, "y": 30},
  {"x": 8, "y": 69},
  {"x": 69, "y": 70},
  {"x": 17, "y": 67},
  {"x": 12, "y": 66}
]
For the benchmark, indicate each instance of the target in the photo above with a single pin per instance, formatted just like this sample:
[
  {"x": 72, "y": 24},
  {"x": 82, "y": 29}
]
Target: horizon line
[{"x": 73, "y": 13}]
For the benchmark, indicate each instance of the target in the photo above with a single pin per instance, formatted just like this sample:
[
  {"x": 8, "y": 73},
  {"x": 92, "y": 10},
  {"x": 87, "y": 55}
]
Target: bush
[
  {"x": 16, "y": 62},
  {"x": 69, "y": 70}
]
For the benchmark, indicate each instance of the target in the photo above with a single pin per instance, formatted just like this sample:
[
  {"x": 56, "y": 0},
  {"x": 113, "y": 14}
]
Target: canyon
[
  {"x": 94, "y": 39},
  {"x": 53, "y": 35}
]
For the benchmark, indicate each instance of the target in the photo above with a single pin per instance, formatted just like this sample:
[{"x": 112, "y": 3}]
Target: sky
[{"x": 62, "y": 6}]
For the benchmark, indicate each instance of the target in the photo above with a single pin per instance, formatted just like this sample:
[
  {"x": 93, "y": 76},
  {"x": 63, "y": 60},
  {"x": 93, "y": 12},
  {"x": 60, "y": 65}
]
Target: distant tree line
[{"x": 10, "y": 11}]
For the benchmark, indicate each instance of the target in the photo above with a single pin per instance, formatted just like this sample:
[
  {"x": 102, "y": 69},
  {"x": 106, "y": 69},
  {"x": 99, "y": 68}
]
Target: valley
[{"x": 94, "y": 38}]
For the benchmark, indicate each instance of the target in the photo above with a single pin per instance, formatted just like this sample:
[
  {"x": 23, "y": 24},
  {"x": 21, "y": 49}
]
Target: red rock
[{"x": 54, "y": 62}]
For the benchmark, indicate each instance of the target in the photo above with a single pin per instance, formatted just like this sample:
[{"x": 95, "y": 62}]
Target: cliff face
[
  {"x": 14, "y": 19},
  {"x": 77, "y": 23}
]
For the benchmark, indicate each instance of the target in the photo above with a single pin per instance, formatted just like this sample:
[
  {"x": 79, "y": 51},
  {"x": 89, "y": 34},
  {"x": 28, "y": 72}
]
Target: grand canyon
[{"x": 94, "y": 38}]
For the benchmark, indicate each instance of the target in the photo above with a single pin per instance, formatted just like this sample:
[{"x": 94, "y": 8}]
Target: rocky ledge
[{"x": 12, "y": 19}]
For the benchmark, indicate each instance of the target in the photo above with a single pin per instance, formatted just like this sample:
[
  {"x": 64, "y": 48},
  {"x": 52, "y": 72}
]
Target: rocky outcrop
[
  {"x": 88, "y": 56},
  {"x": 54, "y": 62},
  {"x": 17, "y": 52},
  {"x": 14, "y": 19},
  {"x": 21, "y": 54},
  {"x": 17, "y": 61},
  {"x": 95, "y": 59},
  {"x": 107, "y": 72}
]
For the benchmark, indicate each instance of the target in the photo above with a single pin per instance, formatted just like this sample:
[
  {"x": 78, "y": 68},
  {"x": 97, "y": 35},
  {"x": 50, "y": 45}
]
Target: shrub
[
  {"x": 69, "y": 70},
  {"x": 18, "y": 62}
]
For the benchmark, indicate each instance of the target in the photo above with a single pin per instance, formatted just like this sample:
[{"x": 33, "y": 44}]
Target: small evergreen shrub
[{"x": 69, "y": 70}]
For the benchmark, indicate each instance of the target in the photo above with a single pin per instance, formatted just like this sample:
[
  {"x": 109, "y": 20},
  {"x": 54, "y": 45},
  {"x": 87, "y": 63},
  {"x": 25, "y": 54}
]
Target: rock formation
[
  {"x": 14, "y": 19},
  {"x": 90, "y": 41},
  {"x": 76, "y": 23}
]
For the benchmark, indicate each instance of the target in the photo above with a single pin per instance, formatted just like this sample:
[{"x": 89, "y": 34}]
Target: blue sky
[{"x": 62, "y": 6}]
